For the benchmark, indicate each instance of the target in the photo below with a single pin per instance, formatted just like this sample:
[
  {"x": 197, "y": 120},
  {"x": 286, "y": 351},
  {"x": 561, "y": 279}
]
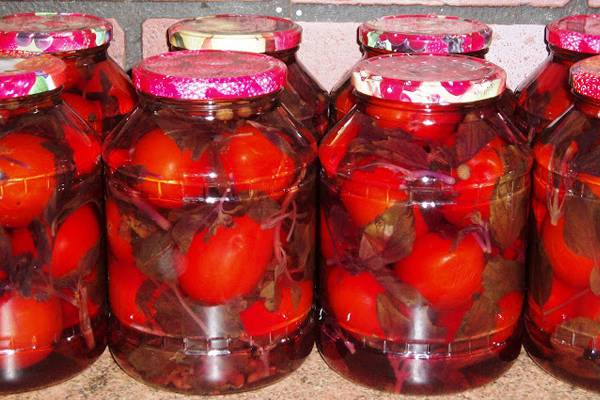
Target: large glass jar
[
  {"x": 545, "y": 94},
  {"x": 211, "y": 225},
  {"x": 278, "y": 37},
  {"x": 53, "y": 317},
  {"x": 563, "y": 315},
  {"x": 424, "y": 195},
  {"x": 411, "y": 34},
  {"x": 96, "y": 87}
]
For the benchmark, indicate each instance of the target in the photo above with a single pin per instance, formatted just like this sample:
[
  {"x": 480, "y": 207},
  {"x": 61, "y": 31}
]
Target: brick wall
[{"x": 329, "y": 46}]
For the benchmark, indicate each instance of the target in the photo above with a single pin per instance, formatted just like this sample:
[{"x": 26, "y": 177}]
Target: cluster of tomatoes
[
  {"x": 384, "y": 231},
  {"x": 235, "y": 253},
  {"x": 50, "y": 233}
]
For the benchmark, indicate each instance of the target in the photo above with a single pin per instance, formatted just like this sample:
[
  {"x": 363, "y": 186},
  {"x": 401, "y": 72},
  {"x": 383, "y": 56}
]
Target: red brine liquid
[
  {"x": 423, "y": 214},
  {"x": 211, "y": 225},
  {"x": 95, "y": 86},
  {"x": 53, "y": 318},
  {"x": 563, "y": 315}
]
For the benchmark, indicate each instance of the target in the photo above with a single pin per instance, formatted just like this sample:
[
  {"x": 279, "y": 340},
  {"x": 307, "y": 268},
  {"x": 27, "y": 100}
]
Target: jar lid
[
  {"x": 253, "y": 33},
  {"x": 53, "y": 32},
  {"x": 429, "y": 34},
  {"x": 428, "y": 79},
  {"x": 579, "y": 33},
  {"x": 585, "y": 77},
  {"x": 209, "y": 75},
  {"x": 20, "y": 77}
]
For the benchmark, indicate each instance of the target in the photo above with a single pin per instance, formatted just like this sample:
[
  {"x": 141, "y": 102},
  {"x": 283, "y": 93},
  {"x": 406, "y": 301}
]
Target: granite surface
[{"x": 313, "y": 381}]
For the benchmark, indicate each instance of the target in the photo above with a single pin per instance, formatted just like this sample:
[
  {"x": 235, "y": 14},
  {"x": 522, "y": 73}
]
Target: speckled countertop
[{"x": 313, "y": 381}]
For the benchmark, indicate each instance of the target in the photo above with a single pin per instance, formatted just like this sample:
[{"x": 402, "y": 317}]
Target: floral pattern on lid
[
  {"x": 53, "y": 32},
  {"x": 579, "y": 33},
  {"x": 209, "y": 75},
  {"x": 428, "y": 79},
  {"x": 426, "y": 34},
  {"x": 585, "y": 77},
  {"x": 20, "y": 77},
  {"x": 252, "y": 33}
]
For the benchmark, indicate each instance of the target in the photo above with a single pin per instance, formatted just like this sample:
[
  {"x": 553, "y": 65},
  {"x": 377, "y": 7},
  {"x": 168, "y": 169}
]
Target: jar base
[
  {"x": 70, "y": 357},
  {"x": 395, "y": 372},
  {"x": 572, "y": 364},
  {"x": 216, "y": 366}
]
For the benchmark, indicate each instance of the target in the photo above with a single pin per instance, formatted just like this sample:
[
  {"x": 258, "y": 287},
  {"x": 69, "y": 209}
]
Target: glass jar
[
  {"x": 278, "y": 37},
  {"x": 563, "y": 314},
  {"x": 545, "y": 94},
  {"x": 424, "y": 195},
  {"x": 53, "y": 317},
  {"x": 96, "y": 87},
  {"x": 211, "y": 225},
  {"x": 411, "y": 34}
]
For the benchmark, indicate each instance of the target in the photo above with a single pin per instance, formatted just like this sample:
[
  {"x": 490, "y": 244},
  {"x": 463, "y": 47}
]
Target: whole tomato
[
  {"x": 253, "y": 163},
  {"x": 334, "y": 147},
  {"x": 124, "y": 283},
  {"x": 568, "y": 266},
  {"x": 510, "y": 306},
  {"x": 89, "y": 110},
  {"x": 28, "y": 178},
  {"x": 445, "y": 272},
  {"x": 559, "y": 307},
  {"x": 168, "y": 169},
  {"x": 86, "y": 150},
  {"x": 28, "y": 329},
  {"x": 119, "y": 238},
  {"x": 475, "y": 184},
  {"x": 228, "y": 262},
  {"x": 353, "y": 301},
  {"x": 258, "y": 320},
  {"x": 78, "y": 234}
]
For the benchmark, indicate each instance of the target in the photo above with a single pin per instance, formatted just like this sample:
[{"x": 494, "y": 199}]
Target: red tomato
[
  {"x": 353, "y": 301},
  {"x": 344, "y": 102},
  {"x": 77, "y": 235},
  {"x": 3, "y": 275},
  {"x": 29, "y": 328},
  {"x": 119, "y": 238},
  {"x": 27, "y": 169},
  {"x": 435, "y": 126},
  {"x": 168, "y": 168},
  {"x": 445, "y": 273},
  {"x": 258, "y": 320},
  {"x": 539, "y": 213},
  {"x": 253, "y": 163},
  {"x": 124, "y": 282},
  {"x": 70, "y": 312},
  {"x": 89, "y": 110},
  {"x": 589, "y": 306},
  {"x": 334, "y": 147},
  {"x": 21, "y": 242},
  {"x": 553, "y": 80},
  {"x": 228, "y": 263},
  {"x": 116, "y": 158},
  {"x": 475, "y": 184},
  {"x": 559, "y": 307},
  {"x": 120, "y": 86},
  {"x": 369, "y": 193},
  {"x": 510, "y": 307},
  {"x": 567, "y": 265},
  {"x": 452, "y": 320},
  {"x": 86, "y": 150},
  {"x": 515, "y": 251}
]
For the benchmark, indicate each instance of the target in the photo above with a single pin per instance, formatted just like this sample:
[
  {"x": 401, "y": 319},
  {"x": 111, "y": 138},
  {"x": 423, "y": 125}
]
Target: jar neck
[
  {"x": 86, "y": 56},
  {"x": 287, "y": 56},
  {"x": 567, "y": 55},
  {"x": 30, "y": 104},
  {"x": 222, "y": 110},
  {"x": 369, "y": 52},
  {"x": 587, "y": 105}
]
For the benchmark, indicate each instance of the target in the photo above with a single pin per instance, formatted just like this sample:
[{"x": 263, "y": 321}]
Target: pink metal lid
[
  {"x": 209, "y": 75},
  {"x": 253, "y": 33},
  {"x": 428, "y": 79},
  {"x": 53, "y": 32},
  {"x": 20, "y": 77},
  {"x": 427, "y": 34},
  {"x": 585, "y": 77},
  {"x": 579, "y": 33}
]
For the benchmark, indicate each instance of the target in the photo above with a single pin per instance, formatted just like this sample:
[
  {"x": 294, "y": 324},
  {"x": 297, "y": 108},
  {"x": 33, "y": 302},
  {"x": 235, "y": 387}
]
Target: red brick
[
  {"x": 117, "y": 46},
  {"x": 154, "y": 35}
]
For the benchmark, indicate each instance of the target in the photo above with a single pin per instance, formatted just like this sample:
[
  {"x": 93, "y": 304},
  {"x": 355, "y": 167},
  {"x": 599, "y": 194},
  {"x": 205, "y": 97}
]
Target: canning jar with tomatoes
[
  {"x": 424, "y": 195},
  {"x": 95, "y": 85},
  {"x": 411, "y": 34},
  {"x": 563, "y": 315},
  {"x": 545, "y": 94},
  {"x": 53, "y": 318},
  {"x": 211, "y": 226},
  {"x": 302, "y": 95}
]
